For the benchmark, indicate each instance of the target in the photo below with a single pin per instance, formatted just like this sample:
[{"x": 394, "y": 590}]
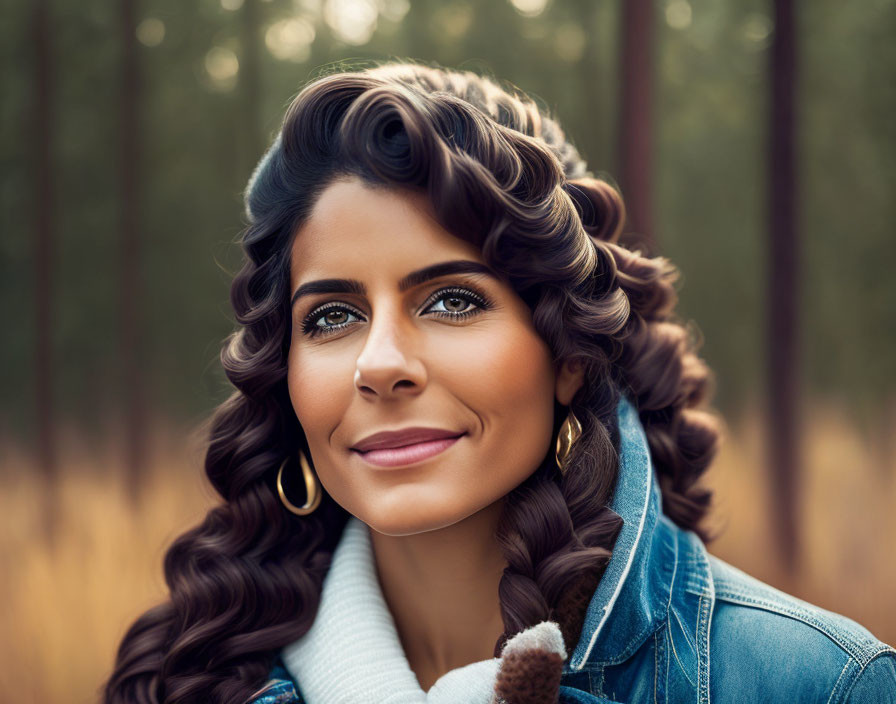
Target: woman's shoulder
[
  {"x": 688, "y": 626},
  {"x": 764, "y": 640}
]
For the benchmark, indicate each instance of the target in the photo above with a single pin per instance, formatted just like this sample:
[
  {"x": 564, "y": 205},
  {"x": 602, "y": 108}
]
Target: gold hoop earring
[
  {"x": 312, "y": 488},
  {"x": 570, "y": 431}
]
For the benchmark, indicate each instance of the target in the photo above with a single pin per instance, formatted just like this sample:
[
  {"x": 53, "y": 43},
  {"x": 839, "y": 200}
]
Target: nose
[{"x": 388, "y": 366}]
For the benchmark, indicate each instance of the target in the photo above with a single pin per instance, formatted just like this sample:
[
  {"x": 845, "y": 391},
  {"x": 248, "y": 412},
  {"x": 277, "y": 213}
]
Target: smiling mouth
[{"x": 407, "y": 454}]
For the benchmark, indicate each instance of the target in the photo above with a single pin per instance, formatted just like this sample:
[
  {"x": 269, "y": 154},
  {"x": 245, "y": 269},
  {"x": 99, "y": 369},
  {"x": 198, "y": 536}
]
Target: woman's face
[{"x": 388, "y": 349}]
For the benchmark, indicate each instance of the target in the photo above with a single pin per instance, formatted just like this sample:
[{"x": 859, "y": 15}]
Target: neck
[{"x": 442, "y": 589}]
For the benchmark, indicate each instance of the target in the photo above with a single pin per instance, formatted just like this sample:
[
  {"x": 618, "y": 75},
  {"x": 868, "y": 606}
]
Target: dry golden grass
[
  {"x": 65, "y": 611},
  {"x": 847, "y": 517}
]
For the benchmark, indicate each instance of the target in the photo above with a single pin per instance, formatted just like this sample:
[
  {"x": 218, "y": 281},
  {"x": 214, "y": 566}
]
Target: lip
[
  {"x": 407, "y": 454},
  {"x": 390, "y": 439}
]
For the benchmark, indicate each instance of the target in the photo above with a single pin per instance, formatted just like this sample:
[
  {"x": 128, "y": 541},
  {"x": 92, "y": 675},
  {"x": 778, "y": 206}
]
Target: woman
[{"x": 461, "y": 462}]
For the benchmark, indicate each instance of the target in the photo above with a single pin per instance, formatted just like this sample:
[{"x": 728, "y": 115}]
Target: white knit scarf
[{"x": 352, "y": 653}]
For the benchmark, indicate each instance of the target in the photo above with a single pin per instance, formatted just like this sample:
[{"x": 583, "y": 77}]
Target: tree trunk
[
  {"x": 782, "y": 303},
  {"x": 635, "y": 124},
  {"x": 250, "y": 89},
  {"x": 42, "y": 122},
  {"x": 590, "y": 72},
  {"x": 130, "y": 310}
]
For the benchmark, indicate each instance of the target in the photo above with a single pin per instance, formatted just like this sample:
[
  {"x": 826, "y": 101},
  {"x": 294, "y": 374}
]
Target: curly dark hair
[{"x": 499, "y": 172}]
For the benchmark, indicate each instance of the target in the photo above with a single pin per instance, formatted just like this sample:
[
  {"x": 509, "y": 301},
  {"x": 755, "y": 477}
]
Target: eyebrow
[{"x": 415, "y": 278}]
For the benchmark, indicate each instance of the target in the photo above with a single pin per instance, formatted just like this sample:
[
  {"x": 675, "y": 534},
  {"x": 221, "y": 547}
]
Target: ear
[{"x": 569, "y": 379}]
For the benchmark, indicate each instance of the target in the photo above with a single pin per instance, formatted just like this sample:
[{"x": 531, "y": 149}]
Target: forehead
[{"x": 354, "y": 225}]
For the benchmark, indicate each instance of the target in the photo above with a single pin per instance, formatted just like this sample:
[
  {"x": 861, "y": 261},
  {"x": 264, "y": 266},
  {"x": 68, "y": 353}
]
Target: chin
[
  {"x": 425, "y": 514},
  {"x": 413, "y": 521}
]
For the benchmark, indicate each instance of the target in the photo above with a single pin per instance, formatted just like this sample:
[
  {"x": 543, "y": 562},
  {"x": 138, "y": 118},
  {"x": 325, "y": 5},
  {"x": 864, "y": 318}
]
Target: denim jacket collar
[{"x": 632, "y": 598}]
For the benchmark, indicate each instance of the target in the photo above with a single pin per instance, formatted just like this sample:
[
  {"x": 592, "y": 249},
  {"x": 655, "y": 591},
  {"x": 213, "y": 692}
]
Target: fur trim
[{"x": 531, "y": 666}]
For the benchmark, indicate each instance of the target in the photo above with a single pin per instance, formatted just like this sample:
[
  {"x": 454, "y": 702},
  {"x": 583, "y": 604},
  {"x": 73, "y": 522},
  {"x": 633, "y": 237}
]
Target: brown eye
[
  {"x": 330, "y": 318},
  {"x": 457, "y": 303},
  {"x": 335, "y": 317}
]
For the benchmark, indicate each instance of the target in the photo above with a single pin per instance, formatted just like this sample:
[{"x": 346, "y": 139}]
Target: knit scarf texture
[{"x": 352, "y": 653}]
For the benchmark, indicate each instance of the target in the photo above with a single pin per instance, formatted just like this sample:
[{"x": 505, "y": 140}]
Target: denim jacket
[{"x": 668, "y": 622}]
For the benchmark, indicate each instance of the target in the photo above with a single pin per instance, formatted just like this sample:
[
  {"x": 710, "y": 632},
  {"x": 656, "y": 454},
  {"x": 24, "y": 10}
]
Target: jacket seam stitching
[
  {"x": 855, "y": 650},
  {"x": 628, "y": 650},
  {"x": 684, "y": 632},
  {"x": 699, "y": 660},
  {"x": 845, "y": 669},
  {"x": 700, "y": 663},
  {"x": 669, "y": 609},
  {"x": 708, "y": 600},
  {"x": 886, "y": 650},
  {"x": 678, "y": 660}
]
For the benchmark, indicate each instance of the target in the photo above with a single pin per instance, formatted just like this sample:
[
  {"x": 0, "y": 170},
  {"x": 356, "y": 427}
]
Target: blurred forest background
[{"x": 754, "y": 143}]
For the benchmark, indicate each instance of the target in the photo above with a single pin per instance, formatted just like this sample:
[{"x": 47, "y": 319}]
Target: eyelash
[{"x": 312, "y": 329}]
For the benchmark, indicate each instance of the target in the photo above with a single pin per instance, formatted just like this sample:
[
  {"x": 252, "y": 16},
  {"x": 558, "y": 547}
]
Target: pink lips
[
  {"x": 398, "y": 456},
  {"x": 396, "y": 449}
]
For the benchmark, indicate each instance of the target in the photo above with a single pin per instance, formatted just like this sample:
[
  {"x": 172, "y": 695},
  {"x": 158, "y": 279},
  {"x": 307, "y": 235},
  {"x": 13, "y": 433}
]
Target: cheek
[
  {"x": 519, "y": 376},
  {"x": 321, "y": 390},
  {"x": 510, "y": 371},
  {"x": 317, "y": 388},
  {"x": 507, "y": 380},
  {"x": 517, "y": 387}
]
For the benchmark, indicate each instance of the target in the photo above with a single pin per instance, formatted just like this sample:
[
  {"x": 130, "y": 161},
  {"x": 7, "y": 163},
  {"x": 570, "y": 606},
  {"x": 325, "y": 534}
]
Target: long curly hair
[{"x": 500, "y": 173}]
